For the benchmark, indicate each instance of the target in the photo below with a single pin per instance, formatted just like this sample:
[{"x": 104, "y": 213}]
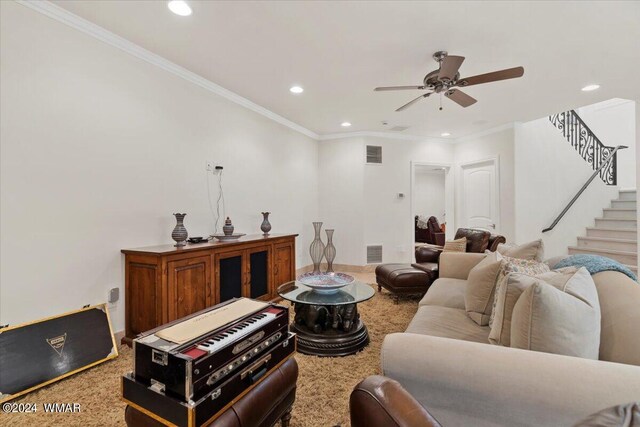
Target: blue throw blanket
[{"x": 595, "y": 264}]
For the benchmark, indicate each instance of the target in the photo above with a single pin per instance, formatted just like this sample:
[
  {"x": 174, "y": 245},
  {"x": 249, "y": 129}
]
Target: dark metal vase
[
  {"x": 316, "y": 250},
  {"x": 330, "y": 250},
  {"x": 266, "y": 225},
  {"x": 180, "y": 233}
]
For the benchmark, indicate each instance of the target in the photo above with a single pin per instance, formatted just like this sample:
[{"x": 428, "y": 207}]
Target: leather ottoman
[
  {"x": 404, "y": 279},
  {"x": 267, "y": 403}
]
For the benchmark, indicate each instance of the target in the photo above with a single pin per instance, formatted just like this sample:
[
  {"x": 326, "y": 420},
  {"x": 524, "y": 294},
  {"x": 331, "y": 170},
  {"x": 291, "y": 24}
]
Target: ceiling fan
[{"x": 446, "y": 78}]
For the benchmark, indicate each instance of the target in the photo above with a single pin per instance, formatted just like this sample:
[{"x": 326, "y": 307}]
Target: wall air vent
[
  {"x": 374, "y": 154},
  {"x": 399, "y": 128},
  {"x": 374, "y": 254}
]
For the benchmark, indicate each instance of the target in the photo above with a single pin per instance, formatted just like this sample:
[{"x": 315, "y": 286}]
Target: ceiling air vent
[
  {"x": 399, "y": 128},
  {"x": 374, "y": 154},
  {"x": 374, "y": 254}
]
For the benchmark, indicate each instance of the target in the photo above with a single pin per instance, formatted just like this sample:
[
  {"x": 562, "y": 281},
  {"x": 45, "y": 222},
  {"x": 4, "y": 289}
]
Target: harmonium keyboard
[{"x": 188, "y": 371}]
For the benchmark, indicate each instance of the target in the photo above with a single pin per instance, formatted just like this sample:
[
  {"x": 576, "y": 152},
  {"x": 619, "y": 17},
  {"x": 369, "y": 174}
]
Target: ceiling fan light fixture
[
  {"x": 179, "y": 7},
  {"x": 345, "y": 124},
  {"x": 589, "y": 88},
  {"x": 296, "y": 89}
]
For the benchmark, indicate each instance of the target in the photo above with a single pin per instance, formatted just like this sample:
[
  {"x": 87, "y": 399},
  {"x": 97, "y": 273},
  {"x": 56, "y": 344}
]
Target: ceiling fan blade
[
  {"x": 460, "y": 97},
  {"x": 378, "y": 89},
  {"x": 509, "y": 73},
  {"x": 449, "y": 67},
  {"x": 413, "y": 101}
]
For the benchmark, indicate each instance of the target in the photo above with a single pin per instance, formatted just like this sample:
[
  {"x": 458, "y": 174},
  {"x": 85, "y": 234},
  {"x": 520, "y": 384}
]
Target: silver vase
[
  {"x": 266, "y": 225},
  {"x": 330, "y": 251},
  {"x": 179, "y": 233},
  {"x": 316, "y": 250}
]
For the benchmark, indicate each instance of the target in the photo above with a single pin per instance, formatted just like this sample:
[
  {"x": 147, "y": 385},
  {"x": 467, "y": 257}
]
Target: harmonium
[{"x": 187, "y": 372}]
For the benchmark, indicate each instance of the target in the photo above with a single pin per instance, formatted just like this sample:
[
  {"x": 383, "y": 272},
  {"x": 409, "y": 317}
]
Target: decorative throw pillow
[
  {"x": 627, "y": 415},
  {"x": 481, "y": 284},
  {"x": 531, "y": 251},
  {"x": 561, "y": 321},
  {"x": 459, "y": 245},
  {"x": 515, "y": 265},
  {"x": 513, "y": 285}
]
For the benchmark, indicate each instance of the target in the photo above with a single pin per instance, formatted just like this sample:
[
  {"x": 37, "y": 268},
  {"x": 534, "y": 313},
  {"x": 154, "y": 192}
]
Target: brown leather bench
[
  {"x": 267, "y": 403},
  {"x": 404, "y": 279}
]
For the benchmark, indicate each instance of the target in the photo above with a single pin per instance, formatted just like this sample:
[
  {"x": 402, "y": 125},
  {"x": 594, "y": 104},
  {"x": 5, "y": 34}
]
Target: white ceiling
[{"x": 340, "y": 51}]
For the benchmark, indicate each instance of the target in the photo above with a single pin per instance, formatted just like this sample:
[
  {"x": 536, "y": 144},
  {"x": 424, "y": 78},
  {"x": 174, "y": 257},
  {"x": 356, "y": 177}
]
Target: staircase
[{"x": 615, "y": 234}]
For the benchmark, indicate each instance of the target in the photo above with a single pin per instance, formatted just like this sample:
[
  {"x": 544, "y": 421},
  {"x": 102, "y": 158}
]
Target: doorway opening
[{"x": 431, "y": 203}]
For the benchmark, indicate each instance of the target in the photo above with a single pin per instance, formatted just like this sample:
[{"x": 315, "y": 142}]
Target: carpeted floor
[{"x": 323, "y": 392}]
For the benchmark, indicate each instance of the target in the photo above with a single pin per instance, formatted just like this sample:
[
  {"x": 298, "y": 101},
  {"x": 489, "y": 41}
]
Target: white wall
[
  {"x": 361, "y": 200},
  {"x": 429, "y": 193},
  {"x": 500, "y": 145},
  {"x": 99, "y": 148},
  {"x": 548, "y": 172},
  {"x": 341, "y": 192}
]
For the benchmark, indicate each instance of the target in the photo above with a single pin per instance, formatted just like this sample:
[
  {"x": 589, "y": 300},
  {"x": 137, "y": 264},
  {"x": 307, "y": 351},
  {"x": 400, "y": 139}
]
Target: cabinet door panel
[
  {"x": 189, "y": 289},
  {"x": 259, "y": 274},
  {"x": 143, "y": 298},
  {"x": 229, "y": 275},
  {"x": 284, "y": 265}
]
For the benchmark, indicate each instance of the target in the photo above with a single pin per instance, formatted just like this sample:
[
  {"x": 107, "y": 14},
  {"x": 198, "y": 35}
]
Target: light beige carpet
[{"x": 323, "y": 392}]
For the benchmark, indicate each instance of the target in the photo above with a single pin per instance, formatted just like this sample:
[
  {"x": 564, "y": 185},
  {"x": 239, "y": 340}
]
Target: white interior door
[{"x": 480, "y": 198}]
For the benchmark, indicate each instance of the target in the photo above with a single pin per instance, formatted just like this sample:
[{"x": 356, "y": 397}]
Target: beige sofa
[{"x": 445, "y": 361}]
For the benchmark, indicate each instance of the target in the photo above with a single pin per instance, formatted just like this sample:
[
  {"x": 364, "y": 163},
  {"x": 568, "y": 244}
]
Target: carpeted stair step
[
  {"x": 627, "y": 195},
  {"x": 616, "y": 223},
  {"x": 626, "y": 245},
  {"x": 620, "y": 213},
  {"x": 624, "y": 257},
  {"x": 622, "y": 204},
  {"x": 613, "y": 233}
]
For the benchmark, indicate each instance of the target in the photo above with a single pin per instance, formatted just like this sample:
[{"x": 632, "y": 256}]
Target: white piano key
[{"x": 211, "y": 345}]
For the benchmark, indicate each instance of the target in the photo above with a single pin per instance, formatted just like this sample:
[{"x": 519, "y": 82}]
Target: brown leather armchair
[
  {"x": 432, "y": 235},
  {"x": 382, "y": 402},
  {"x": 477, "y": 241}
]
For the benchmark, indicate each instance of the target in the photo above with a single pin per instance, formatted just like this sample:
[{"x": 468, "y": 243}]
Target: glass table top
[{"x": 350, "y": 294}]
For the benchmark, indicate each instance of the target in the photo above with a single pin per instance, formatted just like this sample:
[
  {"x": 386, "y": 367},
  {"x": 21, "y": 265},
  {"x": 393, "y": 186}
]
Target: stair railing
[
  {"x": 584, "y": 187},
  {"x": 586, "y": 143}
]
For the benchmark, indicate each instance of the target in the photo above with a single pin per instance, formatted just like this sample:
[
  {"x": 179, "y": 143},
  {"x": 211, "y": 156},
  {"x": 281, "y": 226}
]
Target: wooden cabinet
[{"x": 164, "y": 283}]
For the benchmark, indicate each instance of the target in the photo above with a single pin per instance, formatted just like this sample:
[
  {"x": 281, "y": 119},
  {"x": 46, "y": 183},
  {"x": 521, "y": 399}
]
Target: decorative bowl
[
  {"x": 325, "y": 283},
  {"x": 228, "y": 237}
]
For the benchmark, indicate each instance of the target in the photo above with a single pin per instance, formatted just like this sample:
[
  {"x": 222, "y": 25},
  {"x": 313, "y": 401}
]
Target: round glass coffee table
[{"x": 328, "y": 324}]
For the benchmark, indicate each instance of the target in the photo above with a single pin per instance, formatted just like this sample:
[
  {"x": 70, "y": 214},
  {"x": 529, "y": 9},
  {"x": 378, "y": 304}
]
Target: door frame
[
  {"x": 496, "y": 164},
  {"x": 449, "y": 196}
]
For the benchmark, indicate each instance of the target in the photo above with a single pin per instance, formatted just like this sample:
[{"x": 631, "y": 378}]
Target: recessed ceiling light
[
  {"x": 345, "y": 124},
  {"x": 296, "y": 89},
  {"x": 179, "y": 7},
  {"x": 589, "y": 88},
  {"x": 445, "y": 134}
]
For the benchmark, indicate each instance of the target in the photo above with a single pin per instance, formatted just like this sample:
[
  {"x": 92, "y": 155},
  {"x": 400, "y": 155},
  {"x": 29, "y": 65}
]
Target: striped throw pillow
[{"x": 459, "y": 245}]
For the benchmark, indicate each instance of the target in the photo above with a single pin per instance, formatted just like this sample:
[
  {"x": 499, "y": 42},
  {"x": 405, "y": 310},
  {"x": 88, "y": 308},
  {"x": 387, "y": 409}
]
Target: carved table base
[{"x": 329, "y": 330}]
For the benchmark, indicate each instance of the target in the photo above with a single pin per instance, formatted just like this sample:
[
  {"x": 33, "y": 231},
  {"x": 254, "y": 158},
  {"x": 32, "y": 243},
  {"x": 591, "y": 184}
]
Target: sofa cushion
[
  {"x": 447, "y": 323},
  {"x": 446, "y": 292},
  {"x": 625, "y": 415},
  {"x": 477, "y": 240},
  {"x": 561, "y": 321},
  {"x": 507, "y": 295},
  {"x": 478, "y": 297},
  {"x": 619, "y": 297},
  {"x": 531, "y": 250}
]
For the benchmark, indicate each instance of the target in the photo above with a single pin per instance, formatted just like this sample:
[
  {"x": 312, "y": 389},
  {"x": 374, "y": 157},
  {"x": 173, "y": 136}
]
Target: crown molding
[
  {"x": 387, "y": 135},
  {"x": 484, "y": 133},
  {"x": 74, "y": 21}
]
